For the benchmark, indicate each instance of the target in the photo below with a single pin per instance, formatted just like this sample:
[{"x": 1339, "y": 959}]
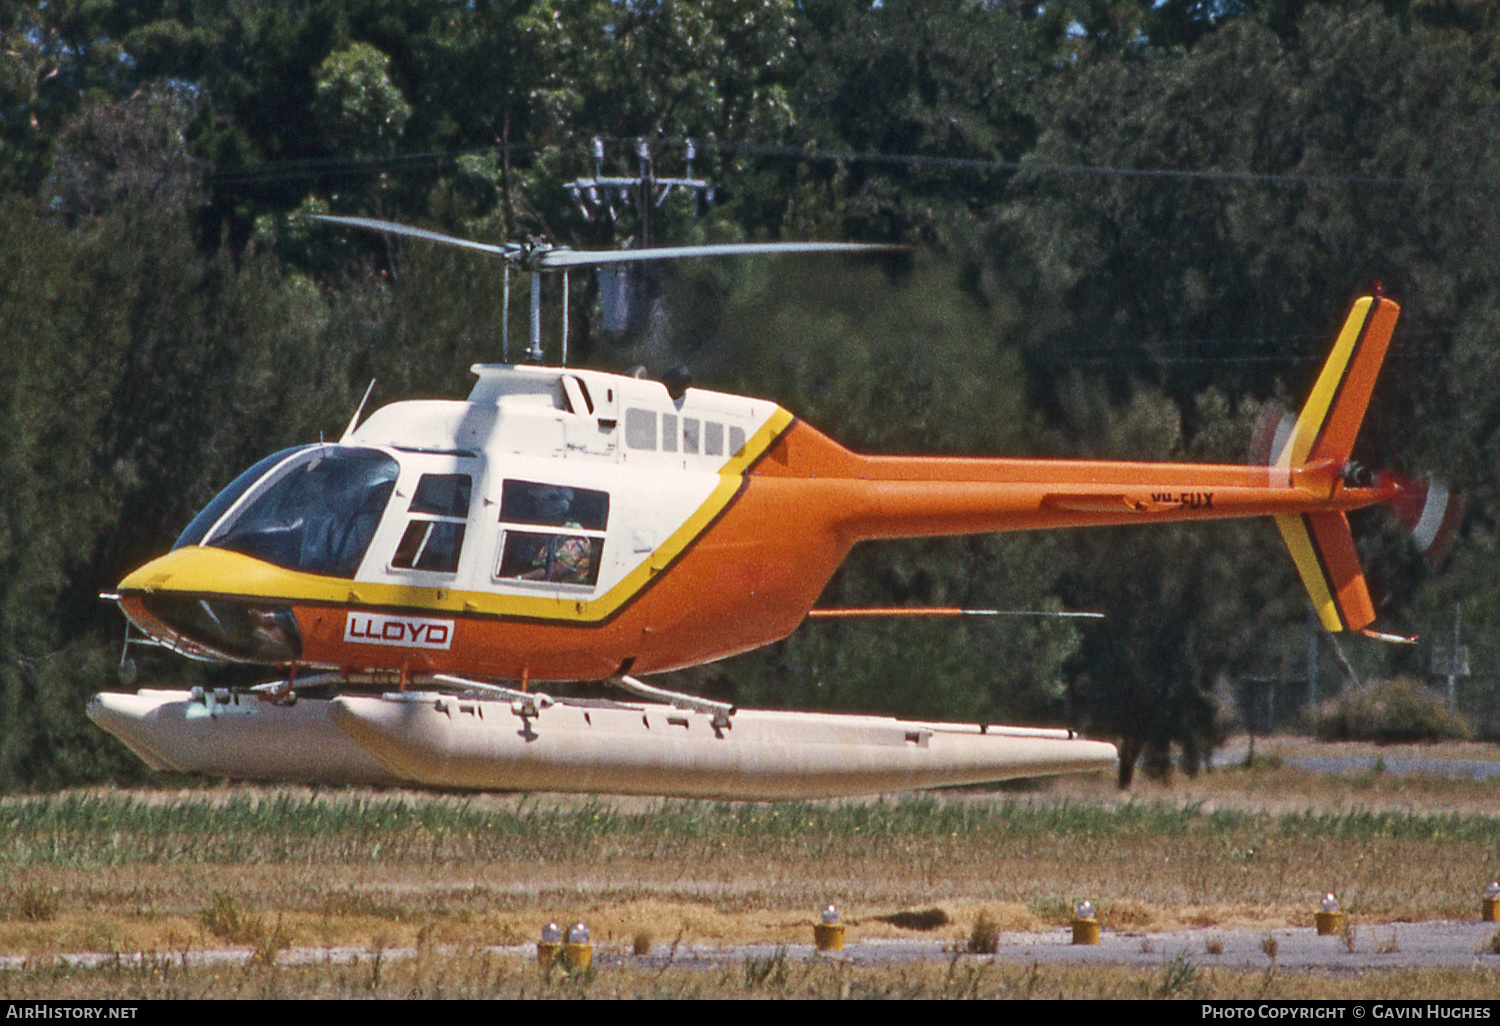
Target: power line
[{"x": 286, "y": 170}]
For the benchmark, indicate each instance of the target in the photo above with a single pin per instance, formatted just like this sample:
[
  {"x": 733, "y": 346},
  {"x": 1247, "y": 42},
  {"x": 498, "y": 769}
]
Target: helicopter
[{"x": 420, "y": 580}]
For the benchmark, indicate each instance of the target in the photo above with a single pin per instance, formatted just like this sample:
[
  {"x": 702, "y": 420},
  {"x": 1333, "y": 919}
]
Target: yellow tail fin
[
  {"x": 1321, "y": 544},
  {"x": 1330, "y": 419}
]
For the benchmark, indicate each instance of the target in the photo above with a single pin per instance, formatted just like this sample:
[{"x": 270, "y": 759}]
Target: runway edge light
[
  {"x": 828, "y": 932},
  {"x": 1329, "y": 920},
  {"x": 1085, "y": 925}
]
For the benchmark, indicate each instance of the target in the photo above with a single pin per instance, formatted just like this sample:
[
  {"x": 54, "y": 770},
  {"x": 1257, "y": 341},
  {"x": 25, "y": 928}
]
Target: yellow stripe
[
  {"x": 221, "y": 572},
  {"x": 1310, "y": 569},
  {"x": 1315, "y": 411}
]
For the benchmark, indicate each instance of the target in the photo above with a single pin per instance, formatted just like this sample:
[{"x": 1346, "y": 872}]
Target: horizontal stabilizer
[{"x": 1322, "y": 547}]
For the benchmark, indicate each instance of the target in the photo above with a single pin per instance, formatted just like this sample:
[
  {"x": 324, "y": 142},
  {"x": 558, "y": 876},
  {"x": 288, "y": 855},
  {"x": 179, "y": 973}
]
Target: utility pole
[{"x": 603, "y": 196}]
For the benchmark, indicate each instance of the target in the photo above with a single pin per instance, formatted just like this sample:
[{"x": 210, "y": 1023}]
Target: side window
[
  {"x": 640, "y": 428},
  {"x": 713, "y": 438},
  {"x": 434, "y": 535},
  {"x": 569, "y": 555},
  {"x": 669, "y": 432}
]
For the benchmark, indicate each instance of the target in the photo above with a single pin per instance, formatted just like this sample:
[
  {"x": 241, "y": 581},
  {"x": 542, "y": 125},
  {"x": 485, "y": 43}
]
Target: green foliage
[
  {"x": 37, "y": 904},
  {"x": 226, "y": 919},
  {"x": 1186, "y": 280},
  {"x": 83, "y": 831},
  {"x": 1389, "y": 712},
  {"x": 362, "y": 110},
  {"x": 767, "y": 971},
  {"x": 1179, "y": 978}
]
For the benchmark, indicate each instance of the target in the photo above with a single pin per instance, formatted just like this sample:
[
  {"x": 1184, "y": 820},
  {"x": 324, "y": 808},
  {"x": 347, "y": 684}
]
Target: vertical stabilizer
[
  {"x": 1321, "y": 544},
  {"x": 1323, "y": 549},
  {"x": 1329, "y": 421}
]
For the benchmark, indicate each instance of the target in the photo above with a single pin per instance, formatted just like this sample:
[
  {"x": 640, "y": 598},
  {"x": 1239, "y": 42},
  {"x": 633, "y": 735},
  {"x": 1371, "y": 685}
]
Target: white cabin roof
[{"x": 571, "y": 413}]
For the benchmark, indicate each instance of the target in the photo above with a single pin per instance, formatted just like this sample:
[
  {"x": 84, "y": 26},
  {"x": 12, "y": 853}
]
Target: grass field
[{"x": 165, "y": 873}]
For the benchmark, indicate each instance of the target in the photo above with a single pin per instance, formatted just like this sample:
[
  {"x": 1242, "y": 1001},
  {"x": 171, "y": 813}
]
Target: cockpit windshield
[
  {"x": 317, "y": 514},
  {"x": 209, "y": 516}
]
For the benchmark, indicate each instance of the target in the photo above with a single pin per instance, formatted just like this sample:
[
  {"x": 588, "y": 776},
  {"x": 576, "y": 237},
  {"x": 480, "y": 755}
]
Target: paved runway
[
  {"x": 1440, "y": 943},
  {"x": 1397, "y": 945}
]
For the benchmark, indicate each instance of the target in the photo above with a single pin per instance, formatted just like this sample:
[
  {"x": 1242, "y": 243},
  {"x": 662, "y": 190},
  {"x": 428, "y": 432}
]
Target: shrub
[
  {"x": 1389, "y": 712},
  {"x": 38, "y": 904},
  {"x": 984, "y": 939}
]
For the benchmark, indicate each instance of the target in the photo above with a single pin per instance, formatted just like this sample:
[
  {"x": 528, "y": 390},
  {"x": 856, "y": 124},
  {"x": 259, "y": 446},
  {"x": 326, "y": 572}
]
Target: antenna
[{"x": 354, "y": 420}]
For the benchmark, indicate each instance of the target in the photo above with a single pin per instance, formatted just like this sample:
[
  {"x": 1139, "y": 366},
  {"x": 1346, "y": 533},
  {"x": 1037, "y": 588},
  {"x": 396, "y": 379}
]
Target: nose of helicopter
[
  {"x": 213, "y": 602},
  {"x": 202, "y": 570}
]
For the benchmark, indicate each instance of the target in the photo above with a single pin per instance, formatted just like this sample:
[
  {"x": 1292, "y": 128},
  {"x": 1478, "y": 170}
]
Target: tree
[
  {"x": 1154, "y": 276},
  {"x": 139, "y": 375}
]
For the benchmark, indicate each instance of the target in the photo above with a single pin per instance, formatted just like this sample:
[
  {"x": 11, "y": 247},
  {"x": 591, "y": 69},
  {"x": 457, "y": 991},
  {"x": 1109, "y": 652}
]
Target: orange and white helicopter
[{"x": 444, "y": 559}]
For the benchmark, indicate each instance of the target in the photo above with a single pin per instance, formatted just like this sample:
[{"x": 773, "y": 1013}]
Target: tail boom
[{"x": 848, "y": 497}]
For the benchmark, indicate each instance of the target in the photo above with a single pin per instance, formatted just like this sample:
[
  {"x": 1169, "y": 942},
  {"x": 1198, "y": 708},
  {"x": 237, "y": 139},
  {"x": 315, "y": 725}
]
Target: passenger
[{"x": 563, "y": 558}]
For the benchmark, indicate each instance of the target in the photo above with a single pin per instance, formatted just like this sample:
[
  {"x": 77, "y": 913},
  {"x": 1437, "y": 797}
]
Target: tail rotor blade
[
  {"x": 1273, "y": 429},
  {"x": 1432, "y": 514}
]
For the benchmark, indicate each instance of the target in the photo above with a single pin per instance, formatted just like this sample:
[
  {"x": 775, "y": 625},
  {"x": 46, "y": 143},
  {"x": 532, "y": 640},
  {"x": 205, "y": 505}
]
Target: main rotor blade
[
  {"x": 541, "y": 257},
  {"x": 419, "y": 233},
  {"x": 556, "y": 259}
]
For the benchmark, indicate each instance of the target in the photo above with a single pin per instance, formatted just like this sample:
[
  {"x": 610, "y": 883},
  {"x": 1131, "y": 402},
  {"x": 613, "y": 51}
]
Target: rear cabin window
[
  {"x": 434, "y": 535},
  {"x": 569, "y": 554},
  {"x": 640, "y": 429}
]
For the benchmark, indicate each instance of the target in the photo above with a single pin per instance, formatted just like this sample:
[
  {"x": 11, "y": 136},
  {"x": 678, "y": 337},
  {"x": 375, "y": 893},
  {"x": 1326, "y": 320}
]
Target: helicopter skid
[
  {"x": 649, "y": 749},
  {"x": 235, "y": 735},
  {"x": 462, "y": 743}
]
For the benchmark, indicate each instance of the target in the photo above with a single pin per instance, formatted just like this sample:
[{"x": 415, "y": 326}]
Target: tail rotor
[{"x": 1430, "y": 511}]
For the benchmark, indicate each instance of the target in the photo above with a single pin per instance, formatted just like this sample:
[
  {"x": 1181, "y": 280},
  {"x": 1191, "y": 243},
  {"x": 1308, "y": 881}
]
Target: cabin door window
[
  {"x": 551, "y": 533},
  {"x": 434, "y": 536}
]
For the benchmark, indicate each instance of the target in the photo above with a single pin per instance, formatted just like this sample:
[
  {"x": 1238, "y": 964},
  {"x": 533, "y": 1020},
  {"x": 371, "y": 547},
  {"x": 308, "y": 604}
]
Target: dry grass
[
  {"x": 469, "y": 973},
  {"x": 177, "y": 872}
]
